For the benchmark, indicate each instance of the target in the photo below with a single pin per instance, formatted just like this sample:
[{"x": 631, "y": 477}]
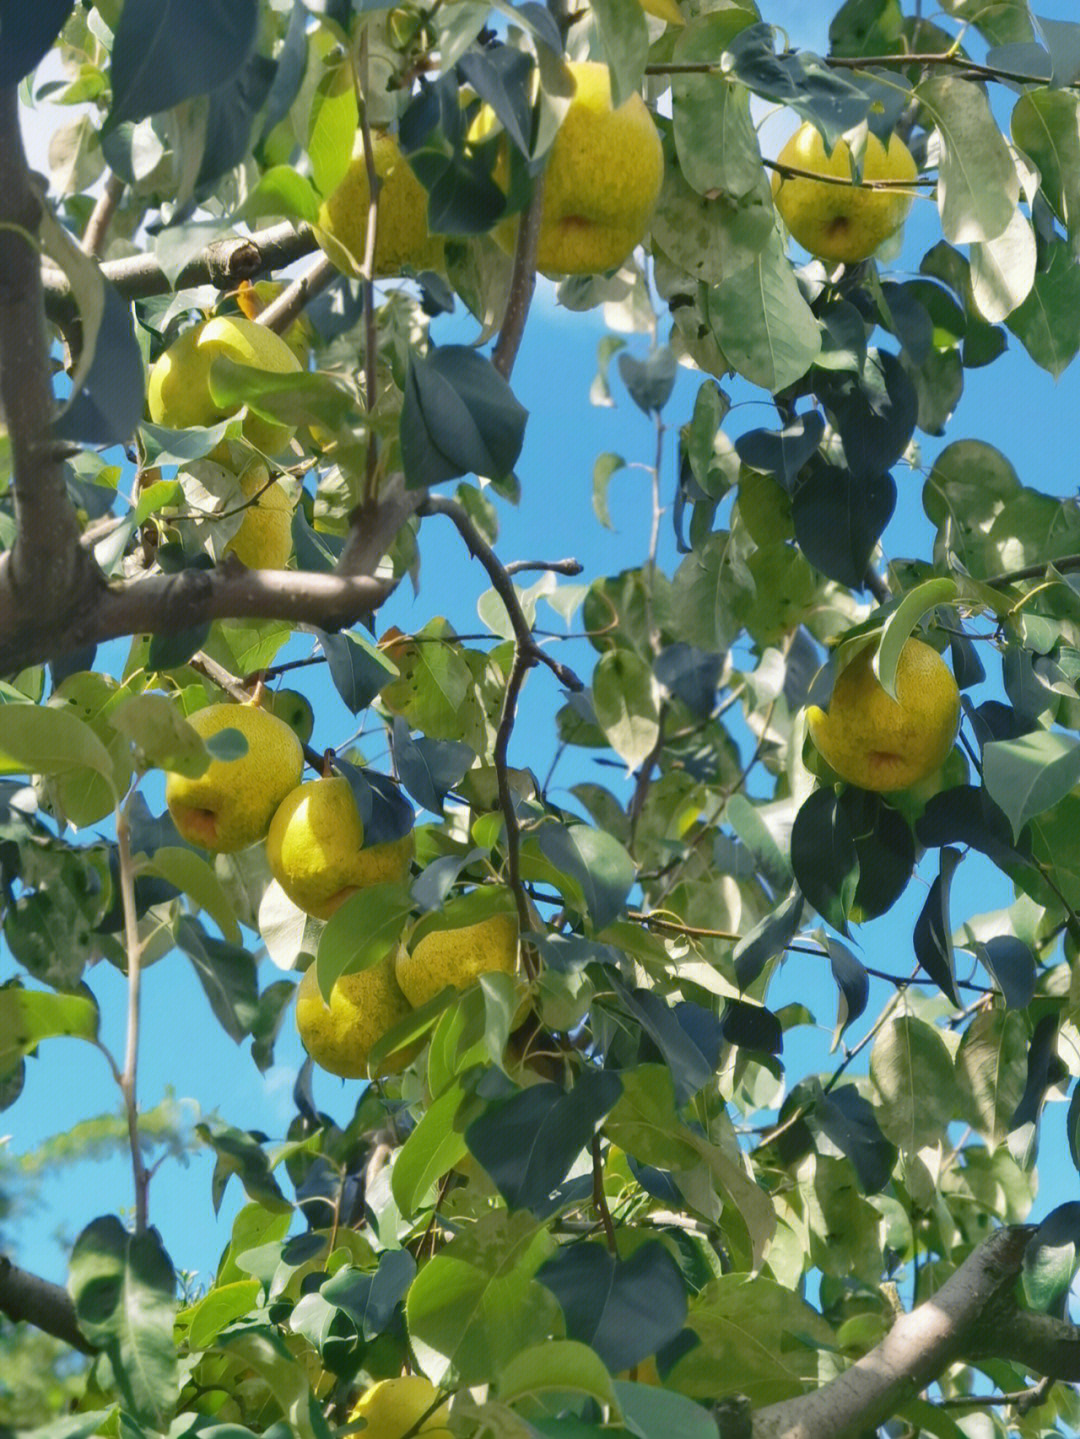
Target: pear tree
[{"x": 696, "y": 941}]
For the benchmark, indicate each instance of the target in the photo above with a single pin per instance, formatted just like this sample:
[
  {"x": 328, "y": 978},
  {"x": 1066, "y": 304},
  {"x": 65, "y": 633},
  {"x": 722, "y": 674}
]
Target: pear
[
  {"x": 402, "y": 237},
  {"x": 178, "y": 394},
  {"x": 315, "y": 848},
  {"x": 340, "y": 1035},
  {"x": 230, "y": 805},
  {"x": 457, "y": 957},
  {"x": 392, "y": 1408},
  {"x": 601, "y": 183},
  {"x": 264, "y": 539}
]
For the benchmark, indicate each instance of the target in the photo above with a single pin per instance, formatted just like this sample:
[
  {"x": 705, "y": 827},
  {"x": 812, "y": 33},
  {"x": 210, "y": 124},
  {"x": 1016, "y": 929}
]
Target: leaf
[
  {"x": 44, "y": 740},
  {"x": 27, "y": 1016},
  {"x": 29, "y": 35},
  {"x": 846, "y": 1119},
  {"x": 123, "y": 1287},
  {"x": 227, "y": 975},
  {"x": 624, "y": 1309},
  {"x": 559, "y": 1365},
  {"x": 224, "y": 1304},
  {"x": 1050, "y": 1261},
  {"x": 624, "y": 700},
  {"x": 428, "y": 768},
  {"x": 715, "y": 138},
  {"x": 978, "y": 186},
  {"x": 361, "y": 933},
  {"x": 932, "y": 938},
  {"x": 156, "y": 726},
  {"x": 190, "y": 873},
  {"x": 624, "y": 45},
  {"x": 459, "y": 417},
  {"x": 768, "y": 938},
  {"x": 1003, "y": 269},
  {"x": 1047, "y": 324},
  {"x": 1011, "y": 965},
  {"x": 782, "y": 452},
  {"x": 839, "y": 520},
  {"x": 371, "y": 1299},
  {"x": 241, "y": 1154},
  {"x": 1045, "y": 124},
  {"x": 875, "y": 411},
  {"x": 477, "y": 1304},
  {"x": 358, "y": 668},
  {"x": 527, "y": 1143},
  {"x": 431, "y": 1150},
  {"x": 650, "y": 381},
  {"x": 762, "y": 323},
  {"x": 901, "y": 624},
  {"x": 824, "y": 858},
  {"x": 166, "y": 51},
  {"x": 1026, "y": 776},
  {"x": 991, "y": 1067},
  {"x": 596, "y": 862},
  {"x": 105, "y": 406},
  {"x": 830, "y": 101},
  {"x": 913, "y": 1072}
]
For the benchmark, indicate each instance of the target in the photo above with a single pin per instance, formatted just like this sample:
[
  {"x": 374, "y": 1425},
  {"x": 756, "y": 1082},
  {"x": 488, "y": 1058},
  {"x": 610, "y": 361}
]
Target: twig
[
  {"x": 1068, "y": 564},
  {"x": 522, "y": 284},
  {"x": 523, "y": 662},
  {"x": 559, "y": 567},
  {"x": 599, "y": 1198},
  {"x": 282, "y": 311},
  {"x": 797, "y": 172},
  {"x": 501, "y": 583},
  {"x": 133, "y": 947},
  {"x": 97, "y": 227},
  {"x": 367, "y": 269},
  {"x": 1024, "y": 1399}
]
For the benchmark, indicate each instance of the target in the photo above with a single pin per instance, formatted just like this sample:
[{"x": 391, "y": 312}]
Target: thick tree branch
[
  {"x": 223, "y": 263},
  {"x": 26, "y": 1299},
  {"x": 918, "y": 1348},
  {"x": 522, "y": 285},
  {"x": 45, "y": 556}
]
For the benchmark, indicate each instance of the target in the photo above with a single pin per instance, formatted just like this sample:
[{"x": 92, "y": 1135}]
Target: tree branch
[
  {"x": 918, "y": 1348},
  {"x": 45, "y": 557},
  {"x": 26, "y": 1299},
  {"x": 224, "y": 263},
  {"x": 96, "y": 235},
  {"x": 289, "y": 305}
]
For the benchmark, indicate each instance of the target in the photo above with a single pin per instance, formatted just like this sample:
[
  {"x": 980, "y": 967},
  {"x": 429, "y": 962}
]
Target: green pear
[{"x": 340, "y": 1035}]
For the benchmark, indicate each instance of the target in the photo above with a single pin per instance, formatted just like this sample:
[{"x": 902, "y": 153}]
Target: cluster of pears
[
  {"x": 601, "y": 184},
  {"x": 179, "y": 397},
  {"x": 314, "y": 839}
]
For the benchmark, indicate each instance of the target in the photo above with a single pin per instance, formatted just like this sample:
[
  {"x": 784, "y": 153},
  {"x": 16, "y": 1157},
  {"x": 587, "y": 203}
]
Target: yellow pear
[
  {"x": 601, "y": 183},
  {"x": 879, "y": 743},
  {"x": 253, "y": 299},
  {"x": 340, "y": 1035},
  {"x": 315, "y": 848},
  {"x": 230, "y": 805},
  {"x": 842, "y": 222},
  {"x": 402, "y": 238},
  {"x": 264, "y": 539},
  {"x": 457, "y": 957},
  {"x": 393, "y": 1406},
  {"x": 178, "y": 395}
]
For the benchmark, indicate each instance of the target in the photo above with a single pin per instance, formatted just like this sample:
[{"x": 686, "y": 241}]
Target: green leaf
[
  {"x": 915, "y": 1078},
  {"x": 227, "y": 975},
  {"x": 157, "y": 728},
  {"x": 241, "y": 1154},
  {"x": 459, "y": 417},
  {"x": 191, "y": 874},
  {"x": 596, "y": 862},
  {"x": 625, "y": 702},
  {"x": 358, "y": 668},
  {"x": 431, "y": 1150},
  {"x": 652, "y": 1412},
  {"x": 604, "y": 467},
  {"x": 1003, "y": 270},
  {"x": 762, "y": 323},
  {"x": 824, "y": 857},
  {"x": 1046, "y": 126},
  {"x": 560, "y": 1365},
  {"x": 51, "y": 741},
  {"x": 477, "y": 1303},
  {"x": 218, "y": 1309},
  {"x": 901, "y": 623},
  {"x": 332, "y": 127},
  {"x": 123, "y": 1287},
  {"x": 991, "y": 1069},
  {"x": 27, "y": 1016},
  {"x": 1047, "y": 324},
  {"x": 624, "y": 45},
  {"x": 362, "y": 932},
  {"x": 165, "y": 52},
  {"x": 371, "y": 1299},
  {"x": 1028, "y": 775},
  {"x": 978, "y": 186},
  {"x": 715, "y": 138}
]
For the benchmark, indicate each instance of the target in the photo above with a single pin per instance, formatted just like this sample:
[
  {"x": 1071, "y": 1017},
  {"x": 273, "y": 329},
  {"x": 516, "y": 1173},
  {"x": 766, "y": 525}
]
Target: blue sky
[{"x": 1010, "y": 404}]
